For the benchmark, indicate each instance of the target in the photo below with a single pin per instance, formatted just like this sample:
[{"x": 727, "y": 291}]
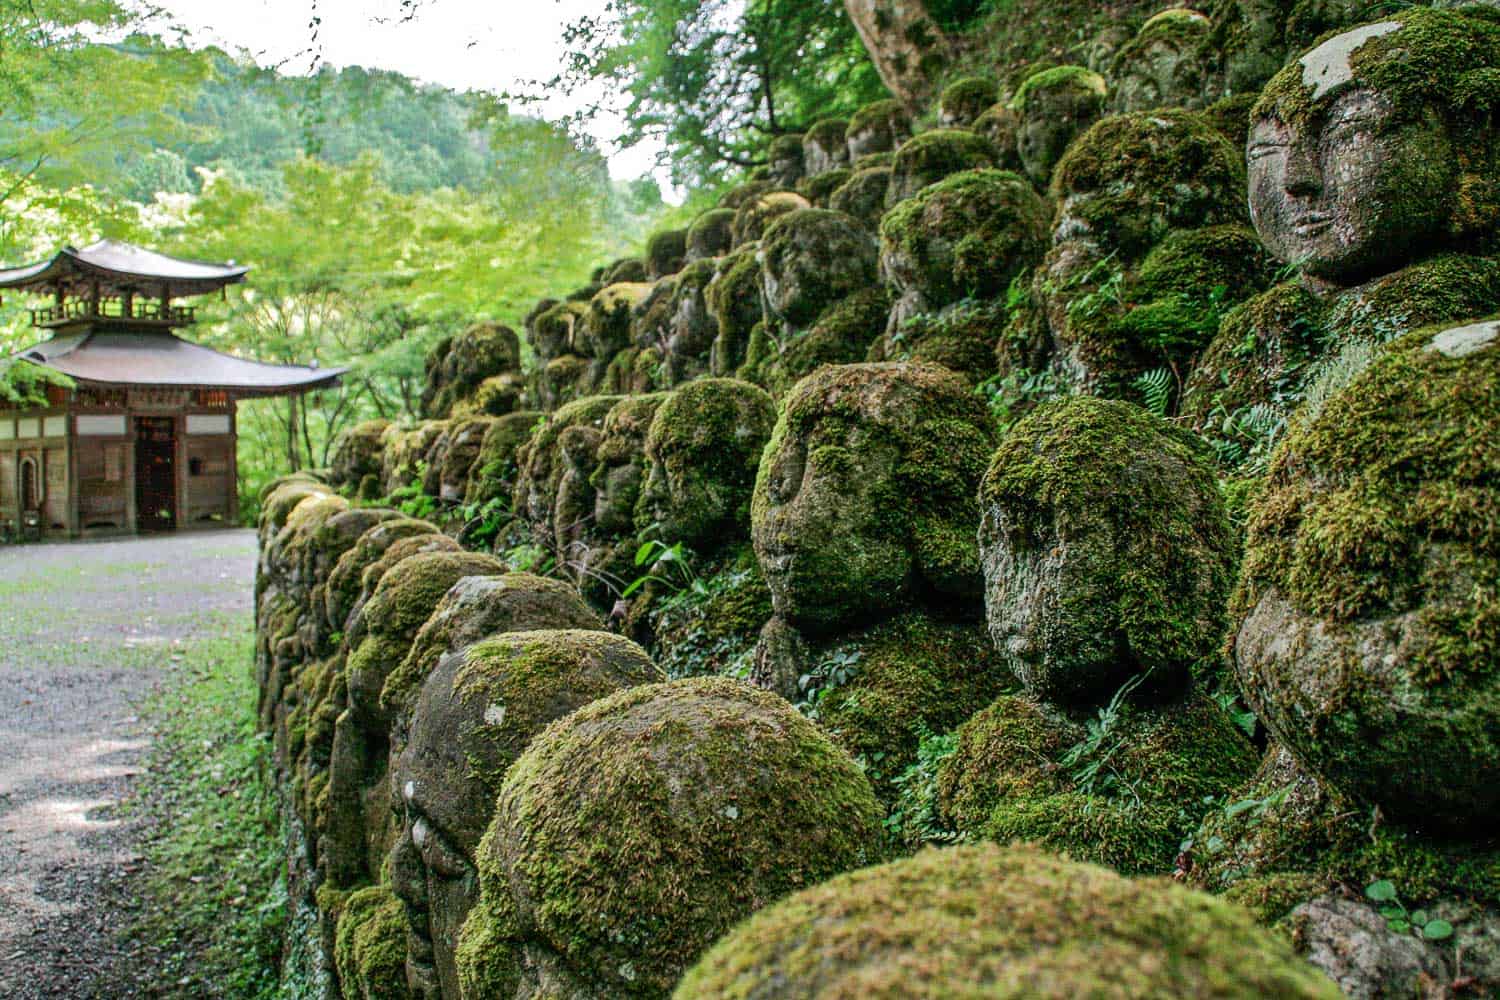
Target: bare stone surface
[{"x": 87, "y": 629}]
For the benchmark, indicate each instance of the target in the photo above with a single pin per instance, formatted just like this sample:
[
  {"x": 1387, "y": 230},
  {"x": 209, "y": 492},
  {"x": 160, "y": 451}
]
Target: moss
[
  {"x": 840, "y": 336},
  {"x": 344, "y": 582},
  {"x": 703, "y": 447},
  {"x": 962, "y": 101},
  {"x": 897, "y": 451},
  {"x": 475, "y": 608},
  {"x": 966, "y": 236},
  {"x": 487, "y": 964},
  {"x": 739, "y": 195},
  {"x": 493, "y": 473},
  {"x": 1231, "y": 116},
  {"x": 752, "y": 218},
  {"x": 457, "y": 367},
  {"x": 961, "y": 338},
  {"x": 1000, "y": 922},
  {"x": 911, "y": 676},
  {"x": 818, "y": 188},
  {"x": 712, "y": 629},
  {"x": 607, "y": 328},
  {"x": 1127, "y": 798},
  {"x": 1106, "y": 549},
  {"x": 1377, "y": 529},
  {"x": 931, "y": 156},
  {"x": 879, "y": 118},
  {"x": 370, "y": 949},
  {"x": 625, "y": 269},
  {"x": 828, "y": 133},
  {"x": 1059, "y": 79},
  {"x": 733, "y": 299},
  {"x": 541, "y": 468},
  {"x": 811, "y": 259},
  {"x": 665, "y": 252},
  {"x": 559, "y": 330},
  {"x": 711, "y": 234},
  {"x": 862, "y": 195},
  {"x": 356, "y": 452},
  {"x": 495, "y": 396},
  {"x": 632, "y": 833}
]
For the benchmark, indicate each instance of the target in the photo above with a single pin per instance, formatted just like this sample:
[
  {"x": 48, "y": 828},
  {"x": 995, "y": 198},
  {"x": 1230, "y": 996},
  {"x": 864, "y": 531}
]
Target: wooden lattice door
[{"x": 155, "y": 474}]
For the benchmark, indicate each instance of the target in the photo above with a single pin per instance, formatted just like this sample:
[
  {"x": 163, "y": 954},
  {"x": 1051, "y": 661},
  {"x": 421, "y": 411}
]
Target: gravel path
[{"x": 87, "y": 629}]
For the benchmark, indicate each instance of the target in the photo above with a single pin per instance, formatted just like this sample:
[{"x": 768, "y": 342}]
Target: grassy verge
[{"x": 213, "y": 899}]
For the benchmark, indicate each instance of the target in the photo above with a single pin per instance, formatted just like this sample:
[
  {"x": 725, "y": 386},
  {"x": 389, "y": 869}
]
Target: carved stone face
[
  {"x": 476, "y": 713},
  {"x": 1357, "y": 194},
  {"x": 1050, "y": 120}
]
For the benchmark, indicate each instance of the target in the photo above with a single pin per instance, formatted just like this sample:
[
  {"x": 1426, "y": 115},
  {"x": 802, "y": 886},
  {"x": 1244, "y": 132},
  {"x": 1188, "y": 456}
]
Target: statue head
[
  {"x": 865, "y": 500},
  {"x": 1163, "y": 66},
  {"x": 1055, "y": 105},
  {"x": 620, "y": 466},
  {"x": 704, "y": 444},
  {"x": 477, "y": 711},
  {"x": 1376, "y": 147},
  {"x": 811, "y": 259}
]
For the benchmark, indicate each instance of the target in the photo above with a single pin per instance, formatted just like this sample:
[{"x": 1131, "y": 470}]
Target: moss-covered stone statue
[
  {"x": 493, "y": 472},
  {"x": 665, "y": 253},
  {"x": 878, "y": 127},
  {"x": 1108, "y": 559},
  {"x": 786, "y": 166},
  {"x": 733, "y": 300},
  {"x": 929, "y": 157},
  {"x": 758, "y": 212},
  {"x": 477, "y": 711},
  {"x": 540, "y": 464},
  {"x": 691, "y": 329},
  {"x": 824, "y": 303},
  {"x": 405, "y": 596},
  {"x": 965, "y": 238},
  {"x": 633, "y": 833},
  {"x": 702, "y": 451},
  {"x": 1164, "y": 66},
  {"x": 710, "y": 235},
  {"x": 356, "y": 455},
  {"x": 1055, "y": 106},
  {"x": 458, "y": 365},
  {"x": 1000, "y": 922},
  {"x": 406, "y": 448},
  {"x": 963, "y": 101},
  {"x": 864, "y": 519},
  {"x": 1149, "y": 250},
  {"x": 862, "y": 195},
  {"x": 824, "y": 147},
  {"x": 1374, "y": 174}
]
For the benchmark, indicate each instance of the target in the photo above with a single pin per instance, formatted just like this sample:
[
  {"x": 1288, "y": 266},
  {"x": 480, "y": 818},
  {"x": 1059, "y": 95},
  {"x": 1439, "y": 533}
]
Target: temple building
[{"x": 144, "y": 439}]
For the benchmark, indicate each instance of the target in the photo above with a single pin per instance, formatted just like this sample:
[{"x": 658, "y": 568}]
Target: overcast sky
[{"x": 464, "y": 44}]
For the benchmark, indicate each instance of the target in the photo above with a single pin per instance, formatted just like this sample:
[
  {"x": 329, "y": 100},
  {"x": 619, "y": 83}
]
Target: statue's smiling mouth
[{"x": 1312, "y": 223}]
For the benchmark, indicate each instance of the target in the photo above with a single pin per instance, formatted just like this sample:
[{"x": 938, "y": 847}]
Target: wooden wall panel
[{"x": 102, "y": 484}]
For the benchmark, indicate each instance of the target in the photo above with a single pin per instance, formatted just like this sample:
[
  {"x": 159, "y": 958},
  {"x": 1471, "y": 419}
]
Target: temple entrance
[
  {"x": 31, "y": 495},
  {"x": 155, "y": 474}
]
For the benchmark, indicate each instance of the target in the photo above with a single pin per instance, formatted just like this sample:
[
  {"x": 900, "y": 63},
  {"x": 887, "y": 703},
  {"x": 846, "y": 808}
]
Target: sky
[{"x": 462, "y": 44}]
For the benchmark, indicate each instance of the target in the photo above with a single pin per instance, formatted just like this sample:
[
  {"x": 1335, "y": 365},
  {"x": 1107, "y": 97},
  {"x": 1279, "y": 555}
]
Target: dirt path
[{"x": 87, "y": 629}]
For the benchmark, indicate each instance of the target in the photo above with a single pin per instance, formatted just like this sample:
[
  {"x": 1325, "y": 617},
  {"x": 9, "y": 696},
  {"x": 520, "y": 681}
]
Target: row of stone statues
[{"x": 893, "y": 614}]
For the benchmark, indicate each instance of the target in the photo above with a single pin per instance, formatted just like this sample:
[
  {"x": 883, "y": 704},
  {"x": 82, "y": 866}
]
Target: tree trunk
[{"x": 908, "y": 48}]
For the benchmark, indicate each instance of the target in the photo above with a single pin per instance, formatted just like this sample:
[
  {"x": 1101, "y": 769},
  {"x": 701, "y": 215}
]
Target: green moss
[
  {"x": 1378, "y": 519},
  {"x": 840, "y": 336},
  {"x": 493, "y": 473},
  {"x": 911, "y": 676},
  {"x": 1127, "y": 798},
  {"x": 1231, "y": 116},
  {"x": 1059, "y": 79},
  {"x": 632, "y": 833},
  {"x": 862, "y": 195},
  {"x": 1123, "y": 510},
  {"x": 622, "y": 270},
  {"x": 965, "y": 236},
  {"x": 1000, "y": 922},
  {"x": 928, "y": 158},
  {"x": 754, "y": 216},
  {"x": 665, "y": 252},
  {"x": 540, "y": 463},
  {"x": 819, "y": 187},
  {"x": 356, "y": 452},
  {"x": 711, "y": 234},
  {"x": 607, "y": 328},
  {"x": 457, "y": 367},
  {"x": 703, "y": 446},
  {"x": 487, "y": 964},
  {"x": 961, "y": 338},
  {"x": 910, "y": 442},
  {"x": 965, "y": 100},
  {"x": 1282, "y": 838},
  {"x": 712, "y": 629},
  {"x": 887, "y": 115},
  {"x": 370, "y": 949}
]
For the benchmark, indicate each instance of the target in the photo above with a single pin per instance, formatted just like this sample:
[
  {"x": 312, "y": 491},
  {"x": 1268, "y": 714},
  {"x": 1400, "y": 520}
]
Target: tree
[{"x": 715, "y": 80}]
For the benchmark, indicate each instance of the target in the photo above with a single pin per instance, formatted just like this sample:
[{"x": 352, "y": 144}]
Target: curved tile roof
[{"x": 124, "y": 265}]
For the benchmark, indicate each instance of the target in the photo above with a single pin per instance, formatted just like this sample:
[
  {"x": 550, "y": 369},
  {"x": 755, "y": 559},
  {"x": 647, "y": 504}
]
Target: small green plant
[
  {"x": 1090, "y": 761},
  {"x": 410, "y": 500},
  {"x": 915, "y": 818},
  {"x": 483, "y": 521},
  {"x": 668, "y": 565},
  {"x": 529, "y": 558},
  {"x": 835, "y": 670},
  {"x": 1403, "y": 921},
  {"x": 1155, "y": 388},
  {"x": 1009, "y": 397},
  {"x": 1229, "y": 700}
]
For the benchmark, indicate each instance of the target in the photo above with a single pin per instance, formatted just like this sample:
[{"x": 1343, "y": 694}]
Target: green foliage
[
  {"x": 668, "y": 566},
  {"x": 410, "y": 499},
  {"x": 714, "y": 79},
  {"x": 835, "y": 670},
  {"x": 1400, "y": 919},
  {"x": 1090, "y": 762},
  {"x": 916, "y": 818},
  {"x": 25, "y": 384},
  {"x": 1155, "y": 388},
  {"x": 1011, "y": 395}
]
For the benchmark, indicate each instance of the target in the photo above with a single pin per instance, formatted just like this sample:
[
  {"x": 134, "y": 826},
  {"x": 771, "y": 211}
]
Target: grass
[{"x": 213, "y": 898}]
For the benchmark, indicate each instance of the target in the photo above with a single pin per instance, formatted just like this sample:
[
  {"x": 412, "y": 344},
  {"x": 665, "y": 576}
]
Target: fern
[{"x": 1155, "y": 388}]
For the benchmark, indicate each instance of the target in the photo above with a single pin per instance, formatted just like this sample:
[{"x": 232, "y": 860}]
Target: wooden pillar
[
  {"x": 232, "y": 501},
  {"x": 166, "y": 301}
]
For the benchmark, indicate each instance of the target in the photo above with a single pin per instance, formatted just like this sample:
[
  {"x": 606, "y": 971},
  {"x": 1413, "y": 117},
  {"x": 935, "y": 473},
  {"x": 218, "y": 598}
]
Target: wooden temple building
[{"x": 144, "y": 440}]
